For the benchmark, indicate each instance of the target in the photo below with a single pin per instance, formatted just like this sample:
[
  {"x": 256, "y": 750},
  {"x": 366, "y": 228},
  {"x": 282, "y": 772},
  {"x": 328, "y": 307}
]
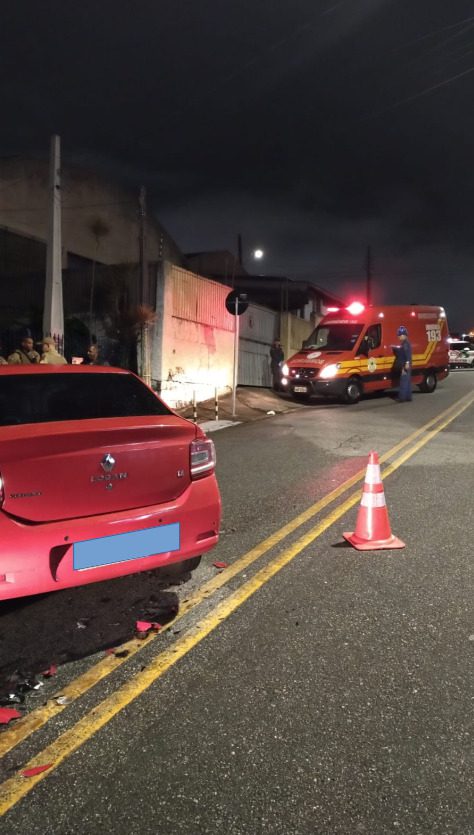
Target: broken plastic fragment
[
  {"x": 37, "y": 769},
  {"x": 83, "y": 623},
  {"x": 30, "y": 684},
  {"x": 63, "y": 700},
  {"x": 51, "y": 671},
  {"x": 7, "y": 714},
  {"x": 220, "y": 564},
  {"x": 142, "y": 625},
  {"x": 12, "y": 699}
]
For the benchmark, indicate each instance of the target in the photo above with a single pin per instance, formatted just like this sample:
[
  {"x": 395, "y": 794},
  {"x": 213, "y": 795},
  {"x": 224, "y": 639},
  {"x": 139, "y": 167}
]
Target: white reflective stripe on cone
[
  {"x": 372, "y": 475},
  {"x": 373, "y": 500}
]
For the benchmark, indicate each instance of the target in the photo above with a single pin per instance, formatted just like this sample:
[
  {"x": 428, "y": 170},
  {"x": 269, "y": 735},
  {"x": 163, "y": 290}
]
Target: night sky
[{"x": 312, "y": 127}]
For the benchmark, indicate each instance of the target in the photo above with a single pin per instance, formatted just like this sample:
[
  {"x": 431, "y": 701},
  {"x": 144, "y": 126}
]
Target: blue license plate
[{"x": 123, "y": 547}]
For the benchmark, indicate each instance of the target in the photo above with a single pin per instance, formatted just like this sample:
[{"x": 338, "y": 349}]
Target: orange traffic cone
[{"x": 372, "y": 527}]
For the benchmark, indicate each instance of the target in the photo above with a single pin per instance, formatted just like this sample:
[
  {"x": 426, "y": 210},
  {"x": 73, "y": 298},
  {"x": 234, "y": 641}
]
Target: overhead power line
[
  {"x": 435, "y": 32},
  {"x": 419, "y": 95}
]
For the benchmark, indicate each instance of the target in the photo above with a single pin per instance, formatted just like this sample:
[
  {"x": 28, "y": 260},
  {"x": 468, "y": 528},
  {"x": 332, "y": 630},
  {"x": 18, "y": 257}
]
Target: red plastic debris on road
[
  {"x": 7, "y": 714},
  {"x": 145, "y": 626},
  {"x": 142, "y": 625},
  {"x": 37, "y": 769},
  {"x": 51, "y": 671},
  {"x": 220, "y": 564}
]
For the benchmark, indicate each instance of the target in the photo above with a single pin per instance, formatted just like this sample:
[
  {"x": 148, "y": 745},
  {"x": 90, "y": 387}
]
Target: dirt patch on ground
[{"x": 251, "y": 404}]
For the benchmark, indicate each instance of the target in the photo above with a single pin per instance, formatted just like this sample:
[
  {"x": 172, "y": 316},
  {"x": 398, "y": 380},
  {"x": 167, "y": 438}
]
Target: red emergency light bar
[{"x": 354, "y": 308}]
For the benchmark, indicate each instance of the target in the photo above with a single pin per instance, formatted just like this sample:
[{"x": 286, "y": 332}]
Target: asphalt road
[{"x": 308, "y": 688}]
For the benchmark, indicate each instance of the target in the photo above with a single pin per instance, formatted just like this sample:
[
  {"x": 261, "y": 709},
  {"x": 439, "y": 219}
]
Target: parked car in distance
[
  {"x": 461, "y": 354},
  {"x": 98, "y": 478}
]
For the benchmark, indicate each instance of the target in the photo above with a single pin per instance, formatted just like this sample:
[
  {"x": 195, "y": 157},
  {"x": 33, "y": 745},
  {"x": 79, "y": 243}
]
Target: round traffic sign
[{"x": 236, "y": 303}]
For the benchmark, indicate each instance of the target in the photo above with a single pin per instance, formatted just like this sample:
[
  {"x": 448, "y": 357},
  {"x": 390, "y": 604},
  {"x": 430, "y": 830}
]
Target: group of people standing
[{"x": 26, "y": 354}]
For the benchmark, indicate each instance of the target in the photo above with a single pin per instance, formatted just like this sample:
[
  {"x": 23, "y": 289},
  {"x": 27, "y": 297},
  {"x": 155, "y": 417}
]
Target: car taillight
[{"x": 203, "y": 457}]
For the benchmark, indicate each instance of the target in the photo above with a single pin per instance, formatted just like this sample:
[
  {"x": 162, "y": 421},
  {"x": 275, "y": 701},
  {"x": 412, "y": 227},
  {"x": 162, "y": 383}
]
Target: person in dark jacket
[
  {"x": 276, "y": 359},
  {"x": 404, "y": 357},
  {"x": 94, "y": 356},
  {"x": 25, "y": 354}
]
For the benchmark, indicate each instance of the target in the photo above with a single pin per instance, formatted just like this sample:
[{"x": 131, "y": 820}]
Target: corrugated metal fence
[
  {"x": 259, "y": 326},
  {"x": 201, "y": 300},
  {"x": 198, "y": 299}
]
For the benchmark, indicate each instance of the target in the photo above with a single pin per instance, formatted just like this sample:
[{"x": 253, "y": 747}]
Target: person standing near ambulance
[{"x": 404, "y": 355}]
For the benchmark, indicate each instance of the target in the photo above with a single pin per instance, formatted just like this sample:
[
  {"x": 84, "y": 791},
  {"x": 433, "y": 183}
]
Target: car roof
[{"x": 62, "y": 369}]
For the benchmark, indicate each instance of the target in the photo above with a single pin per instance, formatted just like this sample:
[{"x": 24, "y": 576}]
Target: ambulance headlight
[
  {"x": 330, "y": 371},
  {"x": 285, "y": 370}
]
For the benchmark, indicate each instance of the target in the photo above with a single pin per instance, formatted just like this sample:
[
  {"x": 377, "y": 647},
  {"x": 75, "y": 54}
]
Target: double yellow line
[{"x": 17, "y": 786}]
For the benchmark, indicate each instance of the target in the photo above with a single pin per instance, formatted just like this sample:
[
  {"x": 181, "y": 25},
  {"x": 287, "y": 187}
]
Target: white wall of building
[
  {"x": 194, "y": 337},
  {"x": 100, "y": 220}
]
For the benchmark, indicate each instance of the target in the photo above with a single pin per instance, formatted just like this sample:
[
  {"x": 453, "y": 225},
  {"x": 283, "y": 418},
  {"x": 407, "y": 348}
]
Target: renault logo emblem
[{"x": 108, "y": 463}]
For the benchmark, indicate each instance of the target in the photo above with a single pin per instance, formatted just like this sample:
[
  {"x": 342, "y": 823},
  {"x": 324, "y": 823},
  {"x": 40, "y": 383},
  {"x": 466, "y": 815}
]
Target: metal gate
[{"x": 259, "y": 326}]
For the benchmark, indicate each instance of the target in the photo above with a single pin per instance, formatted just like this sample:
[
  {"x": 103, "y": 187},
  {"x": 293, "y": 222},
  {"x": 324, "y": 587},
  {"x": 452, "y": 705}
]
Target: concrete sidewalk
[{"x": 251, "y": 404}]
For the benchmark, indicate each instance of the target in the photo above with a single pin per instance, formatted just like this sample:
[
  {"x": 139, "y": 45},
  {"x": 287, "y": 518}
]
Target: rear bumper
[{"x": 39, "y": 558}]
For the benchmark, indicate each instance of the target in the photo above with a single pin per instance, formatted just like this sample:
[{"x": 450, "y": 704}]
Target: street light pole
[{"x": 236, "y": 354}]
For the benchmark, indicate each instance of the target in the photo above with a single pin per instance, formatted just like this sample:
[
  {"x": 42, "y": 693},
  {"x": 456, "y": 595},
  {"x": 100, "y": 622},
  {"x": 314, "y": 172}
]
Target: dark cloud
[{"x": 314, "y": 127}]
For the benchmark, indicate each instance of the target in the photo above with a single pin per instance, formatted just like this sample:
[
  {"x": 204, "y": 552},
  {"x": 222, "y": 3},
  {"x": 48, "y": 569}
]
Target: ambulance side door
[{"x": 375, "y": 364}]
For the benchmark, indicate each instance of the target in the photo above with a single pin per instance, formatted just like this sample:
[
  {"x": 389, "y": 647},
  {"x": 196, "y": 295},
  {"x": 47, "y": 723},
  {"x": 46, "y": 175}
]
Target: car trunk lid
[{"x": 81, "y": 468}]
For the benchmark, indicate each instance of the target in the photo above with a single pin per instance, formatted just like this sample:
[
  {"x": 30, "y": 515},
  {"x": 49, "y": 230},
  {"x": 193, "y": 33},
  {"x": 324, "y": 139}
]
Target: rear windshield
[
  {"x": 458, "y": 346},
  {"x": 337, "y": 337},
  {"x": 42, "y": 398}
]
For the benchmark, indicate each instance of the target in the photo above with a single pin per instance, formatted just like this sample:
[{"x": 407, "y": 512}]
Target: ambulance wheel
[
  {"x": 353, "y": 391},
  {"x": 429, "y": 383}
]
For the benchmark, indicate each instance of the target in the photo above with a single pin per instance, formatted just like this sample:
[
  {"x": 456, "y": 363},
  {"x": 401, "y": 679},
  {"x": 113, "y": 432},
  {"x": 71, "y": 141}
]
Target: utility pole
[
  {"x": 144, "y": 295},
  {"x": 239, "y": 250},
  {"x": 53, "y": 312},
  {"x": 369, "y": 277},
  {"x": 144, "y": 283}
]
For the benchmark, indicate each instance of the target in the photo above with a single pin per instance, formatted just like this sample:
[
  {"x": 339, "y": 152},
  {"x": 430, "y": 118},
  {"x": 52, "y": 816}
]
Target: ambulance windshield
[{"x": 334, "y": 336}]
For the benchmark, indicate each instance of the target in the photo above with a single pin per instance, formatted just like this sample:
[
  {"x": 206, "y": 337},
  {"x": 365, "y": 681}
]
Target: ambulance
[{"x": 353, "y": 351}]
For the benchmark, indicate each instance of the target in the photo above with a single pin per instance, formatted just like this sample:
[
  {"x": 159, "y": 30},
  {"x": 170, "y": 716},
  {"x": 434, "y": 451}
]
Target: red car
[{"x": 98, "y": 478}]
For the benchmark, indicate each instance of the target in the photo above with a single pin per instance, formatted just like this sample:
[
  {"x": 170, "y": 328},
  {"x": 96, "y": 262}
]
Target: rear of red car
[{"x": 98, "y": 478}]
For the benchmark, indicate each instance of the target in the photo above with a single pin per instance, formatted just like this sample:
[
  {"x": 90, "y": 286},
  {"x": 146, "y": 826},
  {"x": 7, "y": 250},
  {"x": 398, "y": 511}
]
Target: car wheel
[
  {"x": 178, "y": 569},
  {"x": 353, "y": 391},
  {"x": 429, "y": 383}
]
